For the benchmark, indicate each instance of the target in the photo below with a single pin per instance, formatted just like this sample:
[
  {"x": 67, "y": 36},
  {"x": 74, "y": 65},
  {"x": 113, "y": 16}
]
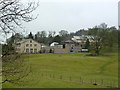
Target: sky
[
  {"x": 73, "y": 15},
  {"x": 119, "y": 13}
]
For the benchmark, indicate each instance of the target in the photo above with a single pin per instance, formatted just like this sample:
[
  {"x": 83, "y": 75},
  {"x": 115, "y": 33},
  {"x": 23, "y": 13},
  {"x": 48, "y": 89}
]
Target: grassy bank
[{"x": 75, "y": 70}]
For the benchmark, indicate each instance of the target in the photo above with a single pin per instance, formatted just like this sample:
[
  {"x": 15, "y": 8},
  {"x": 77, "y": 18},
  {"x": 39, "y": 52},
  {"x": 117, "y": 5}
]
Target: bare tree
[
  {"x": 14, "y": 68},
  {"x": 12, "y": 14},
  {"x": 63, "y": 33},
  {"x": 51, "y": 33},
  {"x": 43, "y": 34},
  {"x": 100, "y": 34}
]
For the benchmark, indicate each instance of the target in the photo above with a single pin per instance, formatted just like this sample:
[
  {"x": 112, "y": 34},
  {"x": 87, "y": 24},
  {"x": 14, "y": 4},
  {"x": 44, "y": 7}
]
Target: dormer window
[{"x": 30, "y": 41}]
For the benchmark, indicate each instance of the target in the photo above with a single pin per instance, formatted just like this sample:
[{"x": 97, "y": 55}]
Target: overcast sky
[{"x": 72, "y": 15}]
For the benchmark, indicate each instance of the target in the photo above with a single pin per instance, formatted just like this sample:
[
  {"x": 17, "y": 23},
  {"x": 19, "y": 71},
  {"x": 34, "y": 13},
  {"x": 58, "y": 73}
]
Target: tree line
[
  {"x": 48, "y": 37},
  {"x": 103, "y": 36}
]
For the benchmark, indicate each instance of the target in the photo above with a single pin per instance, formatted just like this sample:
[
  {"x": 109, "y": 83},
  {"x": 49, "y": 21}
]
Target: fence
[{"x": 82, "y": 80}]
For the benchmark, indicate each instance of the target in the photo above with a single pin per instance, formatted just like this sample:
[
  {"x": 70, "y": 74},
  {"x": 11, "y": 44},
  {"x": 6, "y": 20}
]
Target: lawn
[{"x": 73, "y": 70}]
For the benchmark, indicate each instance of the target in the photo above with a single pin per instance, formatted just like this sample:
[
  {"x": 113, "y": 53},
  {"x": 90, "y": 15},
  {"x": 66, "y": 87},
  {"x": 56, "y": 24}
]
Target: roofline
[{"x": 27, "y": 40}]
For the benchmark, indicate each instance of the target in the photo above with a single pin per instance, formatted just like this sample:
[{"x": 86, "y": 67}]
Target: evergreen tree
[
  {"x": 87, "y": 44},
  {"x": 30, "y": 36},
  {"x": 57, "y": 39}
]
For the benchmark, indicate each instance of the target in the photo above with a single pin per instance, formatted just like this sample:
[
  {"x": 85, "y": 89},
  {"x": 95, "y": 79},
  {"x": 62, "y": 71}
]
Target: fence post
[
  {"x": 101, "y": 82},
  {"x": 114, "y": 84},
  {"x": 110, "y": 84},
  {"x": 91, "y": 81},
  {"x": 80, "y": 79},
  {"x": 95, "y": 80}
]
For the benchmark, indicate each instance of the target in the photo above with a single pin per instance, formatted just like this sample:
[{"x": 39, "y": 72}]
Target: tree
[
  {"x": 12, "y": 14},
  {"x": 102, "y": 25},
  {"x": 51, "y": 35},
  {"x": 14, "y": 67},
  {"x": 112, "y": 36},
  {"x": 97, "y": 45},
  {"x": 7, "y": 49},
  {"x": 99, "y": 33},
  {"x": 80, "y": 32},
  {"x": 87, "y": 44},
  {"x": 63, "y": 33},
  {"x": 30, "y": 36},
  {"x": 57, "y": 39},
  {"x": 37, "y": 36},
  {"x": 41, "y": 36},
  {"x": 10, "y": 41},
  {"x": 14, "y": 38}
]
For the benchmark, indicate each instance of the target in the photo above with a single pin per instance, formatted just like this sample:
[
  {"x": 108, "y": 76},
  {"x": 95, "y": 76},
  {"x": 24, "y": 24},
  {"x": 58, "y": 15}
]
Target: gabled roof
[
  {"x": 68, "y": 41},
  {"x": 22, "y": 41},
  {"x": 25, "y": 40}
]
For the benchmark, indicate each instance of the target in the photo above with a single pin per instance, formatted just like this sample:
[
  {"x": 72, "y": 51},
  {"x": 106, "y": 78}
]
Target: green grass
[{"x": 75, "y": 66}]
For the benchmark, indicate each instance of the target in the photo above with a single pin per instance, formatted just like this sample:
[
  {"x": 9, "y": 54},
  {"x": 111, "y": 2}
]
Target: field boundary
[{"x": 95, "y": 82}]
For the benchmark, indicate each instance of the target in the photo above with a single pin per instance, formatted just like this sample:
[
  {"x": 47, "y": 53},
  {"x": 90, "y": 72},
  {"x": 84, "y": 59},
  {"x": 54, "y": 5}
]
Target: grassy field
[{"x": 74, "y": 70}]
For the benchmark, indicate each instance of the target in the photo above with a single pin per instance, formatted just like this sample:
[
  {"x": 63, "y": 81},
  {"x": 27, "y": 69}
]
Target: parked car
[{"x": 84, "y": 50}]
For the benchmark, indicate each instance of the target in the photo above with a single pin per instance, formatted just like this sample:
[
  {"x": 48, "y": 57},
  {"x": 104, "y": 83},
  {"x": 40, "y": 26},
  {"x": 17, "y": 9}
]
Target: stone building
[{"x": 27, "y": 46}]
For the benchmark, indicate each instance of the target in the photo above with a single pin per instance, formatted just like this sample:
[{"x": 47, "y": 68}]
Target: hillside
[{"x": 74, "y": 70}]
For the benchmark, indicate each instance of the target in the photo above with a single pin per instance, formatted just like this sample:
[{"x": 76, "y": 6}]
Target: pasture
[{"x": 73, "y": 70}]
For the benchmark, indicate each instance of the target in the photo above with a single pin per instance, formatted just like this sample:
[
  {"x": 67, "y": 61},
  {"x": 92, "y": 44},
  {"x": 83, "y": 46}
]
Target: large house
[{"x": 27, "y": 46}]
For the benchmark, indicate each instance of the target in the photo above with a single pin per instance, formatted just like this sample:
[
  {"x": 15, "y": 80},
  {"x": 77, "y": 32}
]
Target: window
[
  {"x": 31, "y": 50},
  {"x": 19, "y": 45},
  {"x": 27, "y": 50},
  {"x": 35, "y": 45},
  {"x": 30, "y": 45},
  {"x": 30, "y": 41},
  {"x": 59, "y": 46},
  {"x": 35, "y": 50},
  {"x": 81, "y": 45},
  {"x": 18, "y": 49},
  {"x": 63, "y": 45},
  {"x": 27, "y": 45}
]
